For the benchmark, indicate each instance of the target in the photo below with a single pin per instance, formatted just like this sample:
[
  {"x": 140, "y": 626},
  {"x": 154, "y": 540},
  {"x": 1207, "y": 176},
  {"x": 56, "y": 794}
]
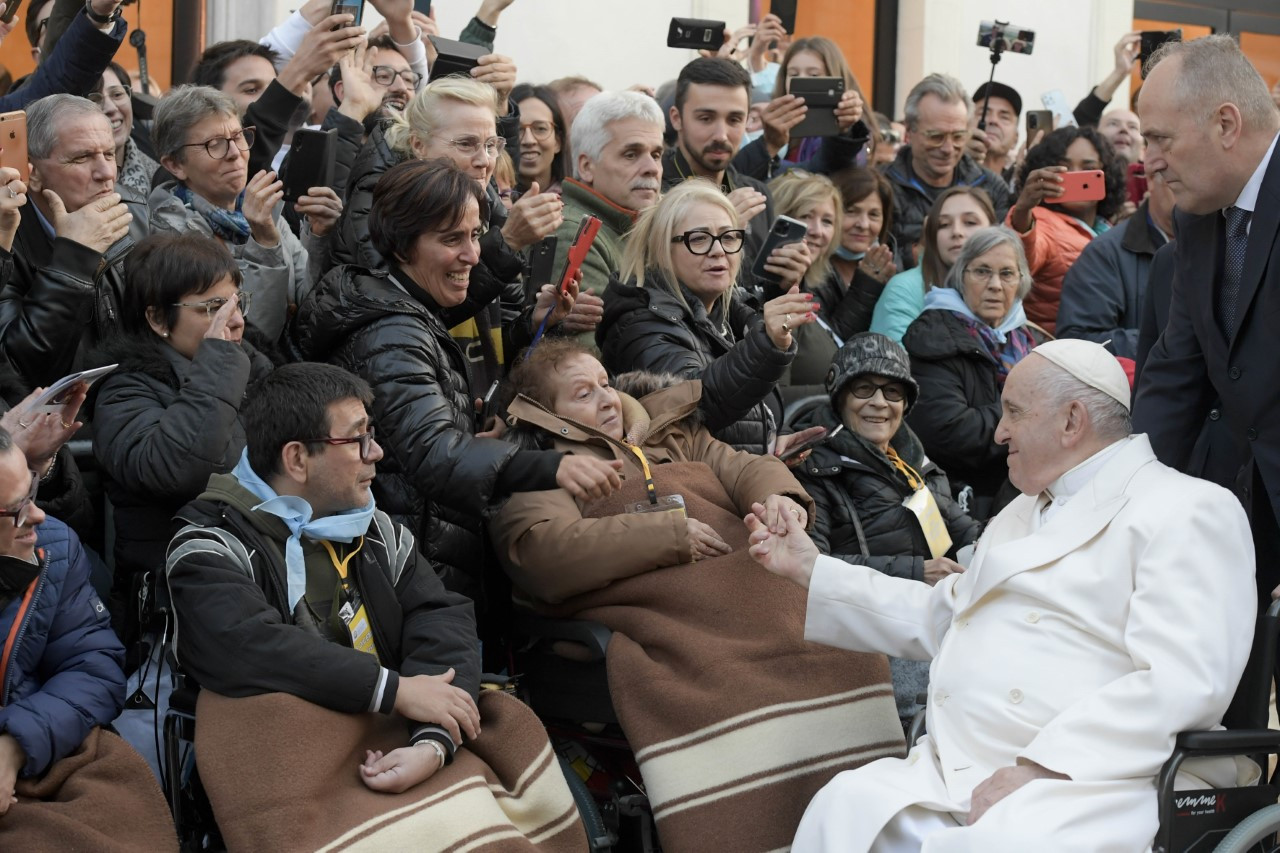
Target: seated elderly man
[
  {"x": 64, "y": 290},
  {"x": 1063, "y": 667},
  {"x": 65, "y": 782},
  {"x": 311, "y": 620}
]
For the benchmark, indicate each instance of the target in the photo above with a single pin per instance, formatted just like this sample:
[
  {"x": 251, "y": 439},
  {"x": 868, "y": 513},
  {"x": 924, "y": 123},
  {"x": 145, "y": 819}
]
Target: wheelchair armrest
[
  {"x": 591, "y": 635},
  {"x": 1229, "y": 741}
]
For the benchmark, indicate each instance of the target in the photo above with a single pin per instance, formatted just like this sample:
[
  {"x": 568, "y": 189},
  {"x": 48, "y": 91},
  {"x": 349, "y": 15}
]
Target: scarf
[
  {"x": 296, "y": 514},
  {"x": 229, "y": 225},
  {"x": 136, "y": 170},
  {"x": 1007, "y": 343}
]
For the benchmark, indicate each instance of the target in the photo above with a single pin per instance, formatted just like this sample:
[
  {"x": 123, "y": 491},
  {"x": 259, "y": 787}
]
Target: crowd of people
[{"x": 348, "y": 436}]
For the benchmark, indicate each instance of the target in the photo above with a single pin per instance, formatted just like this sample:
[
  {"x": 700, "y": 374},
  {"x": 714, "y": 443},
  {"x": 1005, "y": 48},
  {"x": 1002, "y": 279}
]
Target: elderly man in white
[{"x": 1106, "y": 609}]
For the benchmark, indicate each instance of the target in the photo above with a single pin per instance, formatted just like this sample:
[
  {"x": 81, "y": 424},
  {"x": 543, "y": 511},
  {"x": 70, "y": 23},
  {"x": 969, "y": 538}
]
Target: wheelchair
[{"x": 1220, "y": 820}]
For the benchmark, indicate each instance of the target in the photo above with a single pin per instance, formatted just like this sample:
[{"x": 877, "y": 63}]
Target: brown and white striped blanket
[
  {"x": 736, "y": 721},
  {"x": 282, "y": 775}
]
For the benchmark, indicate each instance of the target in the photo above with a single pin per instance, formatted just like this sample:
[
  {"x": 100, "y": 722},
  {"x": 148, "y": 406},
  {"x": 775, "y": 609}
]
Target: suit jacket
[
  {"x": 1096, "y": 603},
  {"x": 1193, "y": 364}
]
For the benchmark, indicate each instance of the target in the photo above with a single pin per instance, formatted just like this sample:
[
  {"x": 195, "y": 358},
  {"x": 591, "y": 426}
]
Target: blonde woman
[{"x": 679, "y": 312}]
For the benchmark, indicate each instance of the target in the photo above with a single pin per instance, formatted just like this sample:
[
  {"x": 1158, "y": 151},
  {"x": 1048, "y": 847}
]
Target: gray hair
[
  {"x": 590, "y": 132},
  {"x": 1215, "y": 71},
  {"x": 46, "y": 115},
  {"x": 979, "y": 243},
  {"x": 1108, "y": 416},
  {"x": 182, "y": 109},
  {"x": 945, "y": 87}
]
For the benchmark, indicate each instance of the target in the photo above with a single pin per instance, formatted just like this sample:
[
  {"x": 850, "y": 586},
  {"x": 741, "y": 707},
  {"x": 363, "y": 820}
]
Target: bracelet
[
  {"x": 100, "y": 20},
  {"x": 53, "y": 467},
  {"x": 434, "y": 744}
]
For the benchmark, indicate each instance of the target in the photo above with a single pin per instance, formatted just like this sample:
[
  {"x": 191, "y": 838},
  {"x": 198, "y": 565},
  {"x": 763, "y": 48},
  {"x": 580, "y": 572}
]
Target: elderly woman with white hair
[
  {"x": 200, "y": 140},
  {"x": 970, "y": 335}
]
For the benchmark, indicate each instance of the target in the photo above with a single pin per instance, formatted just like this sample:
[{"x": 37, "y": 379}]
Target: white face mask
[{"x": 751, "y": 136}]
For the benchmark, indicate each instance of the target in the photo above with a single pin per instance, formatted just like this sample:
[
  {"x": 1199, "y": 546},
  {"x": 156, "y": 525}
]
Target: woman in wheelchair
[{"x": 706, "y": 650}]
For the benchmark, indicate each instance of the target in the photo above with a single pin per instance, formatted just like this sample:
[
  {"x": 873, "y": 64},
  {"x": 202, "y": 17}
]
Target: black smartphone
[
  {"x": 10, "y": 9},
  {"x": 542, "y": 261},
  {"x": 454, "y": 57},
  {"x": 785, "y": 230},
  {"x": 423, "y": 6},
  {"x": 1151, "y": 41},
  {"x": 821, "y": 95},
  {"x": 355, "y": 8},
  {"x": 489, "y": 405},
  {"x": 695, "y": 34},
  {"x": 309, "y": 163},
  {"x": 786, "y": 12},
  {"x": 1038, "y": 120}
]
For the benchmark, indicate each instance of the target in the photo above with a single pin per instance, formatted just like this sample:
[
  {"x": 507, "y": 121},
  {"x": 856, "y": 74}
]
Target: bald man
[{"x": 1061, "y": 655}]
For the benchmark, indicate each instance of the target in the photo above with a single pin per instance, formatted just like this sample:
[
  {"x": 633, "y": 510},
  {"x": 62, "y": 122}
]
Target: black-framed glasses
[
  {"x": 364, "y": 439},
  {"x": 865, "y": 389},
  {"x": 116, "y": 94},
  {"x": 982, "y": 275},
  {"x": 541, "y": 130},
  {"x": 385, "y": 75},
  {"x": 699, "y": 241},
  {"x": 22, "y": 511},
  {"x": 218, "y": 147},
  {"x": 212, "y": 306}
]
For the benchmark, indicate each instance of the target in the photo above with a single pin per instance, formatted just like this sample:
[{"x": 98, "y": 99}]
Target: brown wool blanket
[
  {"x": 736, "y": 720},
  {"x": 101, "y": 798},
  {"x": 283, "y": 774}
]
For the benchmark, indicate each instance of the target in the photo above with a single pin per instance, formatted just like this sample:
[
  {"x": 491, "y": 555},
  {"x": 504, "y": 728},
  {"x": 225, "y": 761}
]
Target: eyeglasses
[
  {"x": 512, "y": 195},
  {"x": 865, "y": 389},
  {"x": 935, "y": 138},
  {"x": 385, "y": 75},
  {"x": 20, "y": 512},
  {"x": 699, "y": 242},
  {"x": 468, "y": 146},
  {"x": 540, "y": 129},
  {"x": 982, "y": 275},
  {"x": 218, "y": 146},
  {"x": 365, "y": 440},
  {"x": 212, "y": 306},
  {"x": 118, "y": 95}
]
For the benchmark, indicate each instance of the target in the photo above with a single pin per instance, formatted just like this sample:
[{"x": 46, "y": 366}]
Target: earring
[{"x": 164, "y": 334}]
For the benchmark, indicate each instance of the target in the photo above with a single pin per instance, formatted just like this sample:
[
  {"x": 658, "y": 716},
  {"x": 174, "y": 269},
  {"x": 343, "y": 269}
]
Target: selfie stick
[{"x": 997, "y": 48}]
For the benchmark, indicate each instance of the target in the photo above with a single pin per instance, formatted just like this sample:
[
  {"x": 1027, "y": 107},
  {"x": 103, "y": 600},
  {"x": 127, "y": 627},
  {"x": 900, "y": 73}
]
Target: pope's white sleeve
[{"x": 860, "y": 609}]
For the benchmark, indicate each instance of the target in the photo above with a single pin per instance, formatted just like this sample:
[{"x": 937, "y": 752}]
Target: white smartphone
[{"x": 1056, "y": 101}]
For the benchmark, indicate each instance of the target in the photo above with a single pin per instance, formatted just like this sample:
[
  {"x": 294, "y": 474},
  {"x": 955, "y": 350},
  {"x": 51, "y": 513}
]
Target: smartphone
[
  {"x": 13, "y": 142},
  {"x": 785, "y": 230},
  {"x": 1151, "y": 41},
  {"x": 423, "y": 6},
  {"x": 695, "y": 33},
  {"x": 1089, "y": 185},
  {"x": 454, "y": 57},
  {"x": 587, "y": 230},
  {"x": 821, "y": 95},
  {"x": 1038, "y": 120},
  {"x": 1056, "y": 102},
  {"x": 1003, "y": 37},
  {"x": 310, "y": 162},
  {"x": 542, "y": 259},
  {"x": 786, "y": 12},
  {"x": 488, "y": 406},
  {"x": 796, "y": 449},
  {"x": 10, "y": 9},
  {"x": 354, "y": 8},
  {"x": 1135, "y": 183}
]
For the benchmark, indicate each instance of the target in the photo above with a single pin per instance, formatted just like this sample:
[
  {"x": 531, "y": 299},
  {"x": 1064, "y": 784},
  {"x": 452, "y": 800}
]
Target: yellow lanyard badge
[
  {"x": 352, "y": 610},
  {"x": 667, "y": 503}
]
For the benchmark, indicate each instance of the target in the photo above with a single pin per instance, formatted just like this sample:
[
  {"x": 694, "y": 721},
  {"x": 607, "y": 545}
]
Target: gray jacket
[
  {"x": 1102, "y": 292},
  {"x": 276, "y": 278}
]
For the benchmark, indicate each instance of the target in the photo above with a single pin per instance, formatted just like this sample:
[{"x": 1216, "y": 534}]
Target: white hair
[
  {"x": 590, "y": 132},
  {"x": 1108, "y": 416}
]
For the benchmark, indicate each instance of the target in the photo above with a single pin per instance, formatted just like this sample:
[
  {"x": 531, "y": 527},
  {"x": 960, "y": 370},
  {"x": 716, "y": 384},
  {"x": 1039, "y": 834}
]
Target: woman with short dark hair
[
  {"x": 168, "y": 417},
  {"x": 441, "y": 475}
]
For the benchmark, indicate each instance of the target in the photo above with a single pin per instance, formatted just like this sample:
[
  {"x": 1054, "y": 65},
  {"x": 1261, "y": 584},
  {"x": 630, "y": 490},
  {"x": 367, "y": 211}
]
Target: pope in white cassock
[{"x": 1108, "y": 608}]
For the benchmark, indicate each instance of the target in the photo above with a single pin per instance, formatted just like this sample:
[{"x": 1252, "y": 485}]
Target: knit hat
[{"x": 871, "y": 353}]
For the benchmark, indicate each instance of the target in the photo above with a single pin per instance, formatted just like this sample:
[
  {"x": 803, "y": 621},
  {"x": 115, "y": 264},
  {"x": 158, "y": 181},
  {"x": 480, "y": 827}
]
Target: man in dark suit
[{"x": 1211, "y": 130}]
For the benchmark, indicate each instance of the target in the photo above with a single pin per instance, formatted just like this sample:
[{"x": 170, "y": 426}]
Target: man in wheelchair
[
  {"x": 333, "y": 661},
  {"x": 1108, "y": 608}
]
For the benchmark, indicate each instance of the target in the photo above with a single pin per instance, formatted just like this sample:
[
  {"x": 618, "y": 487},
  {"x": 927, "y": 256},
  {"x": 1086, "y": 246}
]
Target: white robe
[{"x": 1085, "y": 643}]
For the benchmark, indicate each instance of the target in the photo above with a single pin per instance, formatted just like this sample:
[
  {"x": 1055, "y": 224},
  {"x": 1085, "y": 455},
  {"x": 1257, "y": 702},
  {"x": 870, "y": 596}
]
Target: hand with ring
[
  {"x": 879, "y": 263},
  {"x": 779, "y": 321}
]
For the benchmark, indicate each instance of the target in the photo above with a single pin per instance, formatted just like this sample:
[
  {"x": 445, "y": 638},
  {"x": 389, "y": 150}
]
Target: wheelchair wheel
[
  {"x": 599, "y": 838},
  {"x": 1257, "y": 827}
]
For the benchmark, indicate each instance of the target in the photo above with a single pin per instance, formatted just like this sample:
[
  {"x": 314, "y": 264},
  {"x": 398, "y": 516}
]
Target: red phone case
[
  {"x": 1082, "y": 186},
  {"x": 578, "y": 251}
]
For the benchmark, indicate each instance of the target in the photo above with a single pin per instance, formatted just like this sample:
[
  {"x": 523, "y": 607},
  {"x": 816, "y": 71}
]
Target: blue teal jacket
[{"x": 900, "y": 304}]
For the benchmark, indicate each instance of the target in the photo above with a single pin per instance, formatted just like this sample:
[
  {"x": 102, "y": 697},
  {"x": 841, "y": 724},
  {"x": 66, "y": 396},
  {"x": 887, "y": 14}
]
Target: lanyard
[
  {"x": 823, "y": 323},
  {"x": 341, "y": 564},
  {"x": 649, "y": 487}
]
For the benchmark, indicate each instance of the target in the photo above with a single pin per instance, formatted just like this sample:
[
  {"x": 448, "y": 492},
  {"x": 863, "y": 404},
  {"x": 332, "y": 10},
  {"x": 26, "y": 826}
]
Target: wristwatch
[{"x": 100, "y": 20}]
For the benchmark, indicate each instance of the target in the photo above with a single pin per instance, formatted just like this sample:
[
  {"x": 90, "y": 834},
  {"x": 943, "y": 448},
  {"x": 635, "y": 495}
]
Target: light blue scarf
[
  {"x": 296, "y": 514},
  {"x": 946, "y": 299}
]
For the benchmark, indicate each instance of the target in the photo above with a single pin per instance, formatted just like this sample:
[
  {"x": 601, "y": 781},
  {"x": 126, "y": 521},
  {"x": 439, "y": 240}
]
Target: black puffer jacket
[
  {"x": 162, "y": 426},
  {"x": 437, "y": 477},
  {"x": 859, "y": 494},
  {"x": 959, "y": 405},
  {"x": 648, "y": 328}
]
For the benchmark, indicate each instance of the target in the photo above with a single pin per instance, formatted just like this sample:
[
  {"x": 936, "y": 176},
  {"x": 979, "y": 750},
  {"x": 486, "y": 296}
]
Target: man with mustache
[
  {"x": 713, "y": 98},
  {"x": 617, "y": 167}
]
